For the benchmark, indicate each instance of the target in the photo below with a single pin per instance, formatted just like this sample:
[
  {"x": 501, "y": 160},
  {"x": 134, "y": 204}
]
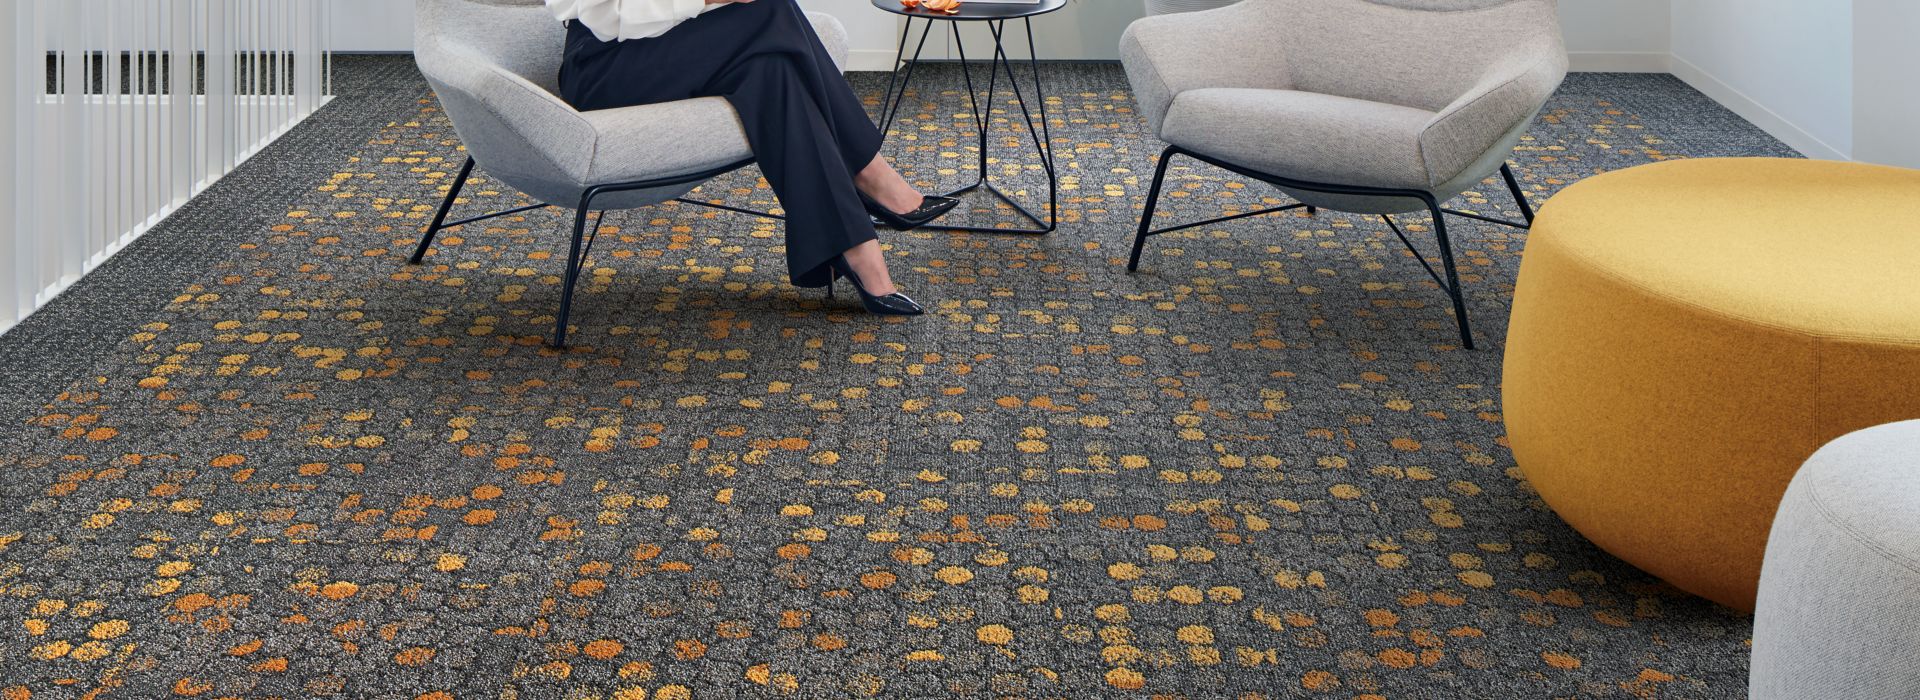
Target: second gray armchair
[{"x": 1375, "y": 107}]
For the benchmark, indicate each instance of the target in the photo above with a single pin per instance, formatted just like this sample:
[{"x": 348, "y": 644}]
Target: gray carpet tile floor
[{"x": 257, "y": 455}]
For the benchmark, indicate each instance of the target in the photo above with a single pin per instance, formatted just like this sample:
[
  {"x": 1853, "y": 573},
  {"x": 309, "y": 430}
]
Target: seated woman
[{"x": 810, "y": 133}]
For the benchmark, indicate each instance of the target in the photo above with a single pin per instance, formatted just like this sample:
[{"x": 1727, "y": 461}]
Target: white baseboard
[
  {"x": 870, "y": 60},
  {"x": 1619, "y": 61},
  {"x": 1752, "y": 111}
]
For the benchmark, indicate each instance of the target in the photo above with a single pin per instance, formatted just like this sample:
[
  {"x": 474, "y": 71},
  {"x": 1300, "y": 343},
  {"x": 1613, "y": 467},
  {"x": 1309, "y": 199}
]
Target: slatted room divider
[{"x": 119, "y": 111}]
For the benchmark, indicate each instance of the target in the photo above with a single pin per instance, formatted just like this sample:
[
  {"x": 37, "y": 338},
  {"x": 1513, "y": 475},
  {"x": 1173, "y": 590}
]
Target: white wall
[
  {"x": 874, "y": 35},
  {"x": 1786, "y": 65},
  {"x": 1886, "y": 89},
  {"x": 1602, "y": 35},
  {"x": 386, "y": 26},
  {"x": 372, "y": 26},
  {"x": 1086, "y": 30},
  {"x": 1832, "y": 78},
  {"x": 1618, "y": 35}
]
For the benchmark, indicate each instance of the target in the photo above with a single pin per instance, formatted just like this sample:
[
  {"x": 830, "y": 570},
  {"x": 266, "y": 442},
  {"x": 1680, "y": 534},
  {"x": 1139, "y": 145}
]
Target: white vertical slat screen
[
  {"x": 119, "y": 111},
  {"x": 10, "y": 186}
]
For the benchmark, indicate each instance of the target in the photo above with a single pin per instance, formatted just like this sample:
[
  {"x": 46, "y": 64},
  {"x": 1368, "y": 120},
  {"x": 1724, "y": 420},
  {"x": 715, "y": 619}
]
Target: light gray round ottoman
[{"x": 1839, "y": 607}]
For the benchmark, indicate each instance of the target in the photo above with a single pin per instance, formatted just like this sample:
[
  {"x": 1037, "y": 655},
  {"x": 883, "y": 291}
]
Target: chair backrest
[
  {"x": 1416, "y": 53},
  {"x": 495, "y": 66},
  {"x": 520, "y": 36}
]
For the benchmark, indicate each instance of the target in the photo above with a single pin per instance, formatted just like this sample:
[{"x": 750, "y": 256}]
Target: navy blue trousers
[{"x": 808, "y": 130}]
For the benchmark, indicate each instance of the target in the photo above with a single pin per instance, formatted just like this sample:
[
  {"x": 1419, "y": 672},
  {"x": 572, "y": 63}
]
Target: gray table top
[{"x": 976, "y": 11}]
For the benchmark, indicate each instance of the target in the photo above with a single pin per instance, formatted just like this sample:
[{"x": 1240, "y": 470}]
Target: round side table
[{"x": 995, "y": 16}]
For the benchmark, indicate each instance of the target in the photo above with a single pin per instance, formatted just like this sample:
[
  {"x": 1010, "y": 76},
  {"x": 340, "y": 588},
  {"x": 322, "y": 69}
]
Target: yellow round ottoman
[{"x": 1686, "y": 334}]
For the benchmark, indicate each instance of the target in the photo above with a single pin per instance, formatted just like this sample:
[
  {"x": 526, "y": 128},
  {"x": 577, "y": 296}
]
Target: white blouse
[{"x": 620, "y": 20}]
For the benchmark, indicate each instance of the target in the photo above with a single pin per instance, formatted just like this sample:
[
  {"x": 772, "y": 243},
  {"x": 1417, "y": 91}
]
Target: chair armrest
[
  {"x": 664, "y": 140},
  {"x": 1229, "y": 47},
  {"x": 1509, "y": 93},
  {"x": 833, "y": 35},
  {"x": 514, "y": 128}
]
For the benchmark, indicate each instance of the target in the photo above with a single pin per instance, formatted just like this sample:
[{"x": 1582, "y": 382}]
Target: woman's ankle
[
  {"x": 906, "y": 201},
  {"x": 870, "y": 264},
  {"x": 885, "y": 185},
  {"x": 900, "y": 199}
]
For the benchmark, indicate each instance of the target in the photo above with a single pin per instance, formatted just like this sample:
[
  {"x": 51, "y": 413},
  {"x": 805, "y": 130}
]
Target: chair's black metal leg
[
  {"x": 574, "y": 262},
  {"x": 1153, "y": 202},
  {"x": 440, "y": 219},
  {"x": 1453, "y": 275},
  {"x": 1519, "y": 195},
  {"x": 1313, "y": 210}
]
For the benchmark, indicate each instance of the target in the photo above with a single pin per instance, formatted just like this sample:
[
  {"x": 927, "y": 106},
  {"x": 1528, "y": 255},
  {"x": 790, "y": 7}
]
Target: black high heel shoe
[
  {"x": 933, "y": 207},
  {"x": 895, "y": 304}
]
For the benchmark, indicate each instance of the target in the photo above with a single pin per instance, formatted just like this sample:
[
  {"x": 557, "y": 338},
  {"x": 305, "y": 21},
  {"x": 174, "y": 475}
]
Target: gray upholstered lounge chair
[
  {"x": 1364, "y": 106},
  {"x": 495, "y": 66}
]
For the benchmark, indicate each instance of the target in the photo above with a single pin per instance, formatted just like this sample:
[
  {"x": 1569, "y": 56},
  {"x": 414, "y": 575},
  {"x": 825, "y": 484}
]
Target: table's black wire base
[
  {"x": 1044, "y": 226},
  {"x": 1042, "y": 134}
]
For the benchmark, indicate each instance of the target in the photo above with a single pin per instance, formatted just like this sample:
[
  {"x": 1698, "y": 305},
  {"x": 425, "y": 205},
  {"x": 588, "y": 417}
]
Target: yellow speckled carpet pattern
[{"x": 1262, "y": 468}]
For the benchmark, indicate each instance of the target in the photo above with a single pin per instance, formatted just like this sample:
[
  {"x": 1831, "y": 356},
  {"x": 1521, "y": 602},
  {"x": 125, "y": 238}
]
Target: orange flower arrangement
[{"x": 951, "y": 7}]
